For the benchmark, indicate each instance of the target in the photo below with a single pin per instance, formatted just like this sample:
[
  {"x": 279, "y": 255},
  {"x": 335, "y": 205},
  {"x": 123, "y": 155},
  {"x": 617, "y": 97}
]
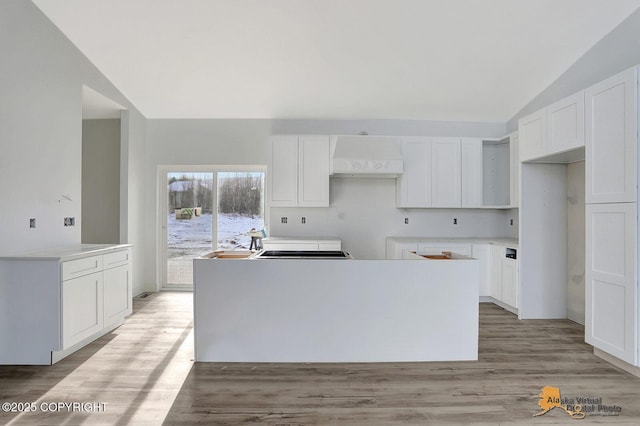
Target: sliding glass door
[{"x": 203, "y": 210}]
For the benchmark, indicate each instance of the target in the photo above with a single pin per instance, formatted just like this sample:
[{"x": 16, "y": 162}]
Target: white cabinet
[
  {"x": 432, "y": 173},
  {"x": 503, "y": 277},
  {"x": 554, "y": 134},
  {"x": 438, "y": 248},
  {"x": 117, "y": 291},
  {"x": 565, "y": 123},
  {"x": 482, "y": 252},
  {"x": 495, "y": 287},
  {"x": 61, "y": 302},
  {"x": 399, "y": 250},
  {"x": 471, "y": 158},
  {"x": 82, "y": 308},
  {"x": 309, "y": 244},
  {"x": 299, "y": 171},
  {"x": 611, "y": 279},
  {"x": 283, "y": 173},
  {"x": 446, "y": 174},
  {"x": 510, "y": 282},
  {"x": 611, "y": 149},
  {"x": 413, "y": 186},
  {"x": 533, "y": 135}
]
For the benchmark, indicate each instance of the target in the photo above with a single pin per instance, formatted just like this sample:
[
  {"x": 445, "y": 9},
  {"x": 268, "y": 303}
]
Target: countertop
[
  {"x": 510, "y": 242},
  {"x": 65, "y": 253}
]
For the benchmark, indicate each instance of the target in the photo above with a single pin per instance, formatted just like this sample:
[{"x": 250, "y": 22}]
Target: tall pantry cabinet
[{"x": 611, "y": 239}]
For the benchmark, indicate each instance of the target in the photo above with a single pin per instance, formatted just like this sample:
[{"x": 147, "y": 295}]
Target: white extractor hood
[{"x": 366, "y": 156}]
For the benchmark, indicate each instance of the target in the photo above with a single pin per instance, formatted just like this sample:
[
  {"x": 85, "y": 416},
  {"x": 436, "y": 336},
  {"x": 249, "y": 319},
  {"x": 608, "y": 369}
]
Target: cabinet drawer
[
  {"x": 438, "y": 248},
  {"x": 329, "y": 246},
  {"x": 118, "y": 258},
  {"x": 80, "y": 267}
]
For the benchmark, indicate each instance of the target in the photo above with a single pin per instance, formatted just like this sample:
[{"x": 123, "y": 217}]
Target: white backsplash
[{"x": 362, "y": 213}]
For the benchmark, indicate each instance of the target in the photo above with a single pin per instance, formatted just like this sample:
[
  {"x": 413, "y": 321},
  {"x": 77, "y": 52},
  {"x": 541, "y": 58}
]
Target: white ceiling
[{"x": 458, "y": 60}]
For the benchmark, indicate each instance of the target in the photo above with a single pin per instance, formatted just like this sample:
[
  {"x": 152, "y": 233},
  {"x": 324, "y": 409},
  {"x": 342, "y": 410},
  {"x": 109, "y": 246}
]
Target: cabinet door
[
  {"x": 482, "y": 252},
  {"x": 533, "y": 135},
  {"x": 414, "y": 184},
  {"x": 82, "y": 304},
  {"x": 445, "y": 176},
  {"x": 495, "y": 287},
  {"x": 313, "y": 171},
  {"x": 610, "y": 151},
  {"x": 117, "y": 292},
  {"x": 510, "y": 282},
  {"x": 565, "y": 123},
  {"x": 514, "y": 152},
  {"x": 611, "y": 279},
  {"x": 283, "y": 173},
  {"x": 471, "y": 172}
]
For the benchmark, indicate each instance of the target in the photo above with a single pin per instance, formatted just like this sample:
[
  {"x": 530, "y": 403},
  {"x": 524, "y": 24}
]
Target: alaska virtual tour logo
[{"x": 577, "y": 407}]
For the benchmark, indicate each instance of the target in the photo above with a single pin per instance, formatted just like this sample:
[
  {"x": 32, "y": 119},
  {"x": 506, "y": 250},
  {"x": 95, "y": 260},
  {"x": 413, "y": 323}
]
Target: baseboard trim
[
  {"x": 631, "y": 369},
  {"x": 58, "y": 355}
]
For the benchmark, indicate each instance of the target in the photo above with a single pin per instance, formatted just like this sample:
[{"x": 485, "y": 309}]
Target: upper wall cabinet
[
  {"x": 554, "y": 134},
  {"x": 611, "y": 120},
  {"x": 446, "y": 190},
  {"x": 299, "y": 171},
  {"x": 565, "y": 124},
  {"x": 533, "y": 135},
  {"x": 432, "y": 173},
  {"x": 455, "y": 172},
  {"x": 413, "y": 186},
  {"x": 471, "y": 156}
]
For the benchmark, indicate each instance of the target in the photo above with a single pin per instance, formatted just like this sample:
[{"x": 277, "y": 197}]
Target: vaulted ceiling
[{"x": 458, "y": 60}]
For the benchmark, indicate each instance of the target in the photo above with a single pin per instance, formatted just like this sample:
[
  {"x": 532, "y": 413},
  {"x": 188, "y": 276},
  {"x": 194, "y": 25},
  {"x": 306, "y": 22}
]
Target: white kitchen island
[{"x": 335, "y": 310}]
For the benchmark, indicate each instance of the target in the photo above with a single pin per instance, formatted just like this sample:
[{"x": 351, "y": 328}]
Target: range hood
[{"x": 366, "y": 156}]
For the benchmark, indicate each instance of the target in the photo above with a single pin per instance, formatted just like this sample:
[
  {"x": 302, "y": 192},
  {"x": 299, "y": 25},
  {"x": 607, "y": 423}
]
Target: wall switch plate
[
  {"x": 69, "y": 221},
  {"x": 283, "y": 219},
  {"x": 32, "y": 223}
]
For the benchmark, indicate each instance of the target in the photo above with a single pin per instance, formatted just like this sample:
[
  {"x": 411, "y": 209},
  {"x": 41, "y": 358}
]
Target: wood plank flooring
[{"x": 144, "y": 373}]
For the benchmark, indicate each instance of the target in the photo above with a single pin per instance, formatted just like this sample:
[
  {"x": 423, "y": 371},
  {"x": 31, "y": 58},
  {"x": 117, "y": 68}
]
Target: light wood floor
[{"x": 144, "y": 373}]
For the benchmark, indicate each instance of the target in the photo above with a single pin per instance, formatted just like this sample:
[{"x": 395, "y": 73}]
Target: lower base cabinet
[
  {"x": 82, "y": 308},
  {"x": 60, "y": 303},
  {"x": 117, "y": 292},
  {"x": 509, "y": 282}
]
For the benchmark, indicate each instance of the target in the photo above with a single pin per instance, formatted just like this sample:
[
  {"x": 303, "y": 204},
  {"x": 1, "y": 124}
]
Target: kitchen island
[{"x": 335, "y": 310}]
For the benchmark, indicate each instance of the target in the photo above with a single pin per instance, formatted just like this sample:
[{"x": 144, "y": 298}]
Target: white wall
[
  {"x": 101, "y": 181},
  {"x": 575, "y": 242},
  {"x": 41, "y": 132}
]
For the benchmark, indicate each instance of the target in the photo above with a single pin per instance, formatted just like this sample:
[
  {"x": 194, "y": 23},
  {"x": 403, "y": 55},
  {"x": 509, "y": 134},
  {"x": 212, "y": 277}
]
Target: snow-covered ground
[{"x": 190, "y": 238}]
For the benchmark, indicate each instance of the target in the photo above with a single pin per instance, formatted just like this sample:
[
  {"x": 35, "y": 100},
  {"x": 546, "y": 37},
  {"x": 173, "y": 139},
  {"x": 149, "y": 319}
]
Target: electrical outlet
[
  {"x": 511, "y": 222},
  {"x": 406, "y": 220},
  {"x": 32, "y": 223},
  {"x": 455, "y": 220},
  {"x": 283, "y": 219},
  {"x": 303, "y": 219},
  {"x": 69, "y": 221}
]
